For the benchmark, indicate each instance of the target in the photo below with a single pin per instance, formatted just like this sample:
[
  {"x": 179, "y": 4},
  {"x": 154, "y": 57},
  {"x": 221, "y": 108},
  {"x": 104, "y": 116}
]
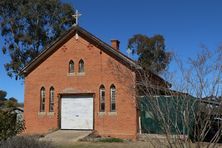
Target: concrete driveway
[{"x": 65, "y": 136}]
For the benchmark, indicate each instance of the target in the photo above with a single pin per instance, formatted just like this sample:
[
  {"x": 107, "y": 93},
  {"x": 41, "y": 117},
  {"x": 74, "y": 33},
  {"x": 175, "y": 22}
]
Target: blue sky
[{"x": 185, "y": 25}]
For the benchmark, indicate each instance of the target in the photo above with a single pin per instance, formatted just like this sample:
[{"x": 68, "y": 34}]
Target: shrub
[
  {"x": 25, "y": 142},
  {"x": 9, "y": 125},
  {"x": 110, "y": 140}
]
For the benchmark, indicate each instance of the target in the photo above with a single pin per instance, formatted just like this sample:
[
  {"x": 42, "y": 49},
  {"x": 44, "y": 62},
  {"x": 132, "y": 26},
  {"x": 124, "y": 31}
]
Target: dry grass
[
  {"x": 107, "y": 145},
  {"x": 122, "y": 145},
  {"x": 25, "y": 142}
]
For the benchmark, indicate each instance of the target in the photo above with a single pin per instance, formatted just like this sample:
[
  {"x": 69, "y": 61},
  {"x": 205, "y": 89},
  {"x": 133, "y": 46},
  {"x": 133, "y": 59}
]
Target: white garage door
[{"x": 76, "y": 112}]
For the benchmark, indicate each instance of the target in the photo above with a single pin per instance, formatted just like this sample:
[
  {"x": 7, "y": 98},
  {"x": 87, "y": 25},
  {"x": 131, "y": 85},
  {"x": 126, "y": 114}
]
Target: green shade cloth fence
[{"x": 161, "y": 114}]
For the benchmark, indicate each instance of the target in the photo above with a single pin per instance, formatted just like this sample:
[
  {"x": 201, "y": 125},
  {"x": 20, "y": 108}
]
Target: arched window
[
  {"x": 112, "y": 98},
  {"x": 81, "y": 66},
  {"x": 102, "y": 98},
  {"x": 51, "y": 99},
  {"x": 71, "y": 67},
  {"x": 42, "y": 99}
]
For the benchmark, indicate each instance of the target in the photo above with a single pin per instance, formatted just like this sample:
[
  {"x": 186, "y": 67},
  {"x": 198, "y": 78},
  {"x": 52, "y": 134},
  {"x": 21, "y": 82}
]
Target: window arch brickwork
[
  {"x": 71, "y": 66},
  {"x": 42, "y": 99},
  {"x": 51, "y": 99},
  {"x": 112, "y": 98},
  {"x": 81, "y": 66},
  {"x": 102, "y": 98}
]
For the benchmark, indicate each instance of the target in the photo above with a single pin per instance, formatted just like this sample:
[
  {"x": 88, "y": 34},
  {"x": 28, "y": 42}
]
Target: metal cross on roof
[{"x": 76, "y": 16}]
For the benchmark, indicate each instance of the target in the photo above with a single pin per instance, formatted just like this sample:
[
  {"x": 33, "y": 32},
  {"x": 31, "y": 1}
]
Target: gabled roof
[
  {"x": 71, "y": 32},
  {"x": 82, "y": 32}
]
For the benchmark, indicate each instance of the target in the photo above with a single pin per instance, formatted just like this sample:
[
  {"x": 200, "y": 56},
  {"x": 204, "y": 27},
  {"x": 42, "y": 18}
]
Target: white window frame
[
  {"x": 71, "y": 67},
  {"x": 112, "y": 98},
  {"x": 51, "y": 99},
  {"x": 102, "y": 98},
  {"x": 42, "y": 99},
  {"x": 81, "y": 66}
]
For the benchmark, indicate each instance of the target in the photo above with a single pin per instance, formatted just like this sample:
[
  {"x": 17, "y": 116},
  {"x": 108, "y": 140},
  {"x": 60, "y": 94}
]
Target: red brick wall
[{"x": 100, "y": 68}]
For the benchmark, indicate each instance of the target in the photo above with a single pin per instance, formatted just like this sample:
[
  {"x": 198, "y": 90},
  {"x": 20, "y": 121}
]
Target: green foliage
[
  {"x": 13, "y": 99},
  {"x": 25, "y": 142},
  {"x": 3, "y": 95},
  {"x": 151, "y": 52},
  {"x": 110, "y": 140},
  {"x": 28, "y": 26},
  {"x": 4, "y": 103},
  {"x": 10, "y": 104},
  {"x": 10, "y": 125}
]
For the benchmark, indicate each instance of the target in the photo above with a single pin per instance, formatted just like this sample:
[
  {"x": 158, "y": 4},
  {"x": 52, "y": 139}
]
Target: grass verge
[{"x": 110, "y": 140}]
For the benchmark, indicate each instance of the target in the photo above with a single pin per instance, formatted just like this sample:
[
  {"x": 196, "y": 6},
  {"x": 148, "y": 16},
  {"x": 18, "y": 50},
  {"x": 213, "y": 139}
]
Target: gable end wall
[{"x": 100, "y": 68}]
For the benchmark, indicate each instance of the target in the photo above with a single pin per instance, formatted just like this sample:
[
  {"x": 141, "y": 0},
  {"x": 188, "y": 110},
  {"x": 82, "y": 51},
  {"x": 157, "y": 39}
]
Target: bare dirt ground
[
  {"x": 123, "y": 145},
  {"x": 107, "y": 145}
]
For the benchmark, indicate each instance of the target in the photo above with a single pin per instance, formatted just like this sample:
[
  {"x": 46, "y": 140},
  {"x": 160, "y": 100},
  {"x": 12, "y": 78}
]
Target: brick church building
[{"x": 81, "y": 83}]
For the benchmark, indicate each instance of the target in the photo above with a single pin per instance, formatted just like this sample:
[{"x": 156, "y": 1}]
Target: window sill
[
  {"x": 101, "y": 113},
  {"x": 81, "y": 74},
  {"x": 50, "y": 114},
  {"x": 41, "y": 113},
  {"x": 112, "y": 113},
  {"x": 71, "y": 74}
]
